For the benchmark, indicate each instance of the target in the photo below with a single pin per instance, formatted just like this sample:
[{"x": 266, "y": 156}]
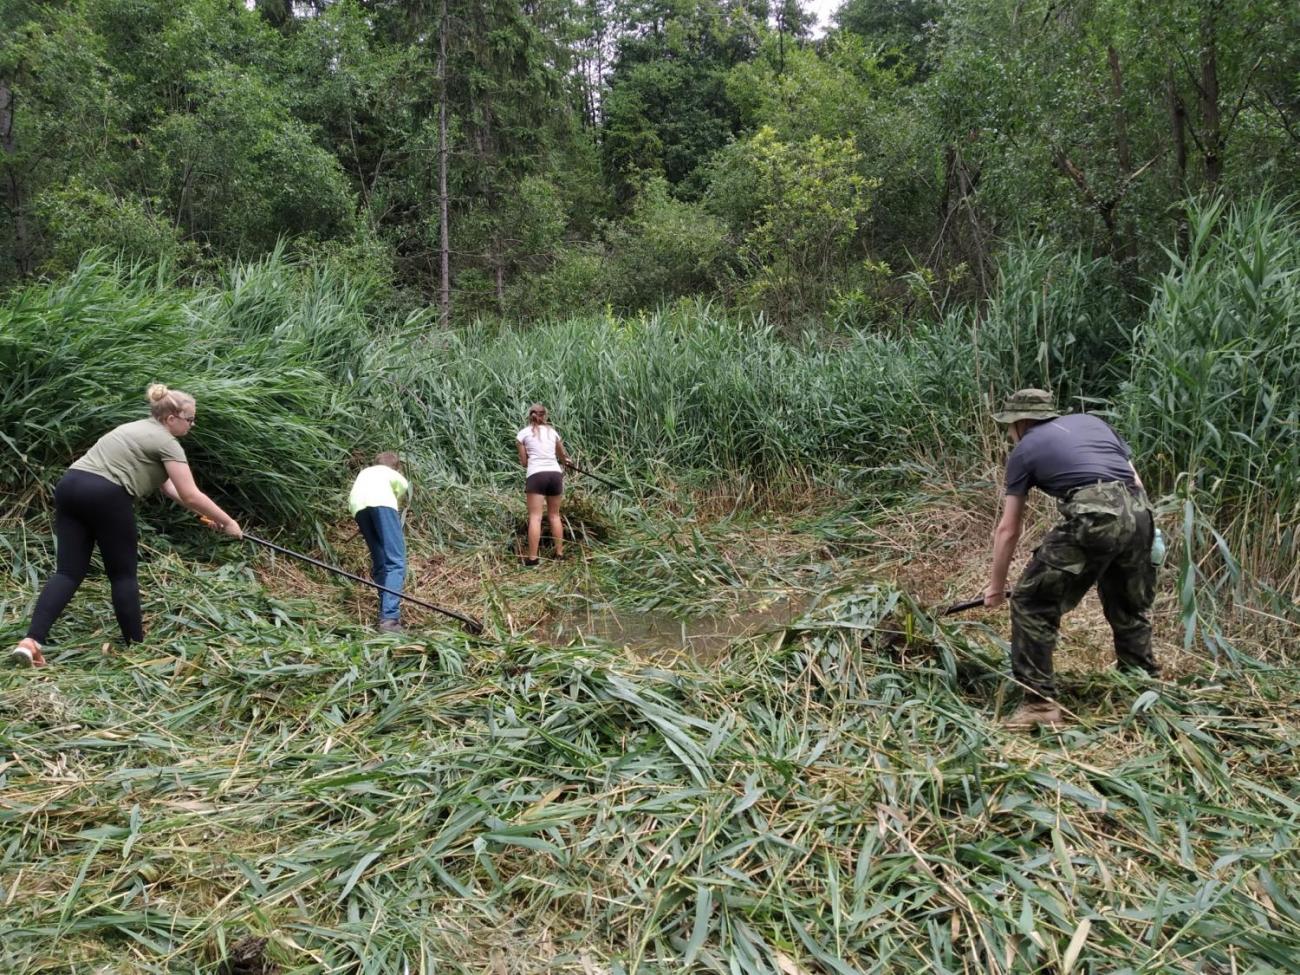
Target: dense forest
[{"x": 538, "y": 159}]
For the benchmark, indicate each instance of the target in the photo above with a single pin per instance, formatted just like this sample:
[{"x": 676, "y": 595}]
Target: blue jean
[{"x": 382, "y": 531}]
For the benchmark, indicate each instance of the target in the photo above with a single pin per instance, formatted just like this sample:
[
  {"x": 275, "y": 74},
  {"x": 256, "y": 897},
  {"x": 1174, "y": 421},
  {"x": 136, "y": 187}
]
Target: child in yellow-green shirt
[{"x": 376, "y": 494}]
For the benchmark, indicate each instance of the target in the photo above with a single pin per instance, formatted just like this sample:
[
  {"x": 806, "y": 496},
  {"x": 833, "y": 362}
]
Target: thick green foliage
[
  {"x": 796, "y": 209},
  {"x": 918, "y": 139},
  {"x": 666, "y": 247},
  {"x": 139, "y": 122},
  {"x": 296, "y": 378}
]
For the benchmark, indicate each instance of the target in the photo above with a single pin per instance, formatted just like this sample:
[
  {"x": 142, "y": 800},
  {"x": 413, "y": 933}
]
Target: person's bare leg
[
  {"x": 557, "y": 525},
  {"x": 535, "y": 505}
]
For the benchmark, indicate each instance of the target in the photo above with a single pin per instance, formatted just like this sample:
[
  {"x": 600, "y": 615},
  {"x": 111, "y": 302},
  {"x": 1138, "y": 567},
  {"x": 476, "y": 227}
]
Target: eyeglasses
[{"x": 188, "y": 419}]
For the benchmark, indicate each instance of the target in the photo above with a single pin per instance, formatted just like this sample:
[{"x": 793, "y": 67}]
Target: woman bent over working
[{"x": 94, "y": 504}]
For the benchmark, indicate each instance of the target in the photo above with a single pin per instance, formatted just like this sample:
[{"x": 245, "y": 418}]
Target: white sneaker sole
[{"x": 22, "y": 656}]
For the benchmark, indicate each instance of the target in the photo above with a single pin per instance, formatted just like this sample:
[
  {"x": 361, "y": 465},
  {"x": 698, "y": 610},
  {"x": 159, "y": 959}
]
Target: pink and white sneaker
[{"x": 28, "y": 653}]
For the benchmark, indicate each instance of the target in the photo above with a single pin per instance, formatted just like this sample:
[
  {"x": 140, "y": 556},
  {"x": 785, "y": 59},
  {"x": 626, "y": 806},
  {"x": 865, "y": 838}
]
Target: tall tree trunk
[
  {"x": 968, "y": 240},
  {"x": 1211, "y": 126},
  {"x": 780, "y": 41},
  {"x": 1178, "y": 127},
  {"x": 602, "y": 31},
  {"x": 277, "y": 13},
  {"x": 12, "y": 185},
  {"x": 444, "y": 232},
  {"x": 1126, "y": 248},
  {"x": 586, "y": 69}
]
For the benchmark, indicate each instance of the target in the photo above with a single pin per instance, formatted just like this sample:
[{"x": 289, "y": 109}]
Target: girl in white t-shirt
[{"x": 541, "y": 452}]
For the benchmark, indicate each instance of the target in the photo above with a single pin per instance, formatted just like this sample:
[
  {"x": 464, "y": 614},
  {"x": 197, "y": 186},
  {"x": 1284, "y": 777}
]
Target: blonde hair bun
[{"x": 165, "y": 402}]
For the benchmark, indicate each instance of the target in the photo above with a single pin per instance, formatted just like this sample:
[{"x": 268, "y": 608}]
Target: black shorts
[{"x": 549, "y": 484}]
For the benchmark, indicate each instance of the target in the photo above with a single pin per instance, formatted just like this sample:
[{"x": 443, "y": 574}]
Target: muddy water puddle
[{"x": 656, "y": 634}]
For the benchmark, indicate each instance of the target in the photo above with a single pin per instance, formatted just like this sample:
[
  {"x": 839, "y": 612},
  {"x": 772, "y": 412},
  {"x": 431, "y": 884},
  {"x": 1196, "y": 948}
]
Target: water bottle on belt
[{"x": 1158, "y": 548}]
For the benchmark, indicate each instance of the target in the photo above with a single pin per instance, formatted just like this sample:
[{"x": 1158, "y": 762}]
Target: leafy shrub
[
  {"x": 78, "y": 218},
  {"x": 666, "y": 248},
  {"x": 796, "y": 207},
  {"x": 577, "y": 282}
]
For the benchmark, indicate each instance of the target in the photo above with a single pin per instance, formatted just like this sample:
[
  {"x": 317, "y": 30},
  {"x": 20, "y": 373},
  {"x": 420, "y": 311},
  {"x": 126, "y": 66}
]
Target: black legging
[{"x": 89, "y": 509}]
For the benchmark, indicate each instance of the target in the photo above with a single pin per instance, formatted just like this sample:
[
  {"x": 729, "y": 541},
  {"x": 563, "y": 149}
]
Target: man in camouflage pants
[{"x": 1105, "y": 538}]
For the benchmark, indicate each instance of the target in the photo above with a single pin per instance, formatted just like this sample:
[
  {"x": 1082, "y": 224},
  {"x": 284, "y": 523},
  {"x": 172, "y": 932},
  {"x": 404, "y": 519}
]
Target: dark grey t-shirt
[{"x": 1067, "y": 453}]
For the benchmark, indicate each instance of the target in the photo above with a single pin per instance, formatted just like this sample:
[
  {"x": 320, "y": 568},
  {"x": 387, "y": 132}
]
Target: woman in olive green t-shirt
[{"x": 94, "y": 504}]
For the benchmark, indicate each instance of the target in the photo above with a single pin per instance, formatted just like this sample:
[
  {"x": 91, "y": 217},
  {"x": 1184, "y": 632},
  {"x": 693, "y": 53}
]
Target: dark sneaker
[
  {"x": 1034, "y": 714},
  {"x": 390, "y": 626},
  {"x": 531, "y": 562}
]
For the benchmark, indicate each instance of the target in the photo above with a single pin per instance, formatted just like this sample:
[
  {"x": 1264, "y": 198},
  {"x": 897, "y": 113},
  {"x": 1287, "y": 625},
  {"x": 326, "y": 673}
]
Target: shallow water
[{"x": 704, "y": 637}]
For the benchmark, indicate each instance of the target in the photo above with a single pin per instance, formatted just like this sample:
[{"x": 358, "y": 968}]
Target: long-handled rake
[
  {"x": 471, "y": 624},
  {"x": 582, "y": 470}
]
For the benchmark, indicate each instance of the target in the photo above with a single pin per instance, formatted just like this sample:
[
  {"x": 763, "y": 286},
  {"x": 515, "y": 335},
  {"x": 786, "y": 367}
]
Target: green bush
[
  {"x": 665, "y": 249},
  {"x": 577, "y": 282},
  {"x": 797, "y": 207},
  {"x": 78, "y": 218}
]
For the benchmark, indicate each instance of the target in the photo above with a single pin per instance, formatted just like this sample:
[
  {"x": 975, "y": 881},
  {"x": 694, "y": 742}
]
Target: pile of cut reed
[{"x": 807, "y": 805}]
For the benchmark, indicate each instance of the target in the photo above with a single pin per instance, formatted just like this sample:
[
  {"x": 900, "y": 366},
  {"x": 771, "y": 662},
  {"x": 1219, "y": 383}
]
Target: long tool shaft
[
  {"x": 966, "y": 604},
  {"x": 473, "y": 625},
  {"x": 582, "y": 470}
]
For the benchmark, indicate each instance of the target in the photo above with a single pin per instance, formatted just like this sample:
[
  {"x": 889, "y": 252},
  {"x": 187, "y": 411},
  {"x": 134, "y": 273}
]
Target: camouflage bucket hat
[{"x": 1027, "y": 404}]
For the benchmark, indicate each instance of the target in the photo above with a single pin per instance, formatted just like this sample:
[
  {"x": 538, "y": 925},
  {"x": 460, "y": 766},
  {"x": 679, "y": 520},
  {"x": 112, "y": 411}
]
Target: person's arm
[
  {"x": 560, "y": 455},
  {"x": 180, "y": 487},
  {"x": 523, "y": 453},
  {"x": 1136, "y": 477},
  {"x": 401, "y": 489},
  {"x": 1005, "y": 538}
]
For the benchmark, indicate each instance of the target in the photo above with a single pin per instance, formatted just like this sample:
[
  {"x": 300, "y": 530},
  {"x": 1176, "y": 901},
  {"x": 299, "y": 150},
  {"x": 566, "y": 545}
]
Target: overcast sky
[{"x": 823, "y": 9}]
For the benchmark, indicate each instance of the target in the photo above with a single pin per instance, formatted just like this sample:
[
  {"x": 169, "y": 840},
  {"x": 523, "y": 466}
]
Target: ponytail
[{"x": 536, "y": 418}]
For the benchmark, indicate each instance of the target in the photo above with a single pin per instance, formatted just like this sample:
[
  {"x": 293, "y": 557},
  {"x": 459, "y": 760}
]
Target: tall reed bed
[
  {"x": 267, "y": 355},
  {"x": 687, "y": 391},
  {"x": 296, "y": 380},
  {"x": 1213, "y": 401},
  {"x": 1057, "y": 319}
]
